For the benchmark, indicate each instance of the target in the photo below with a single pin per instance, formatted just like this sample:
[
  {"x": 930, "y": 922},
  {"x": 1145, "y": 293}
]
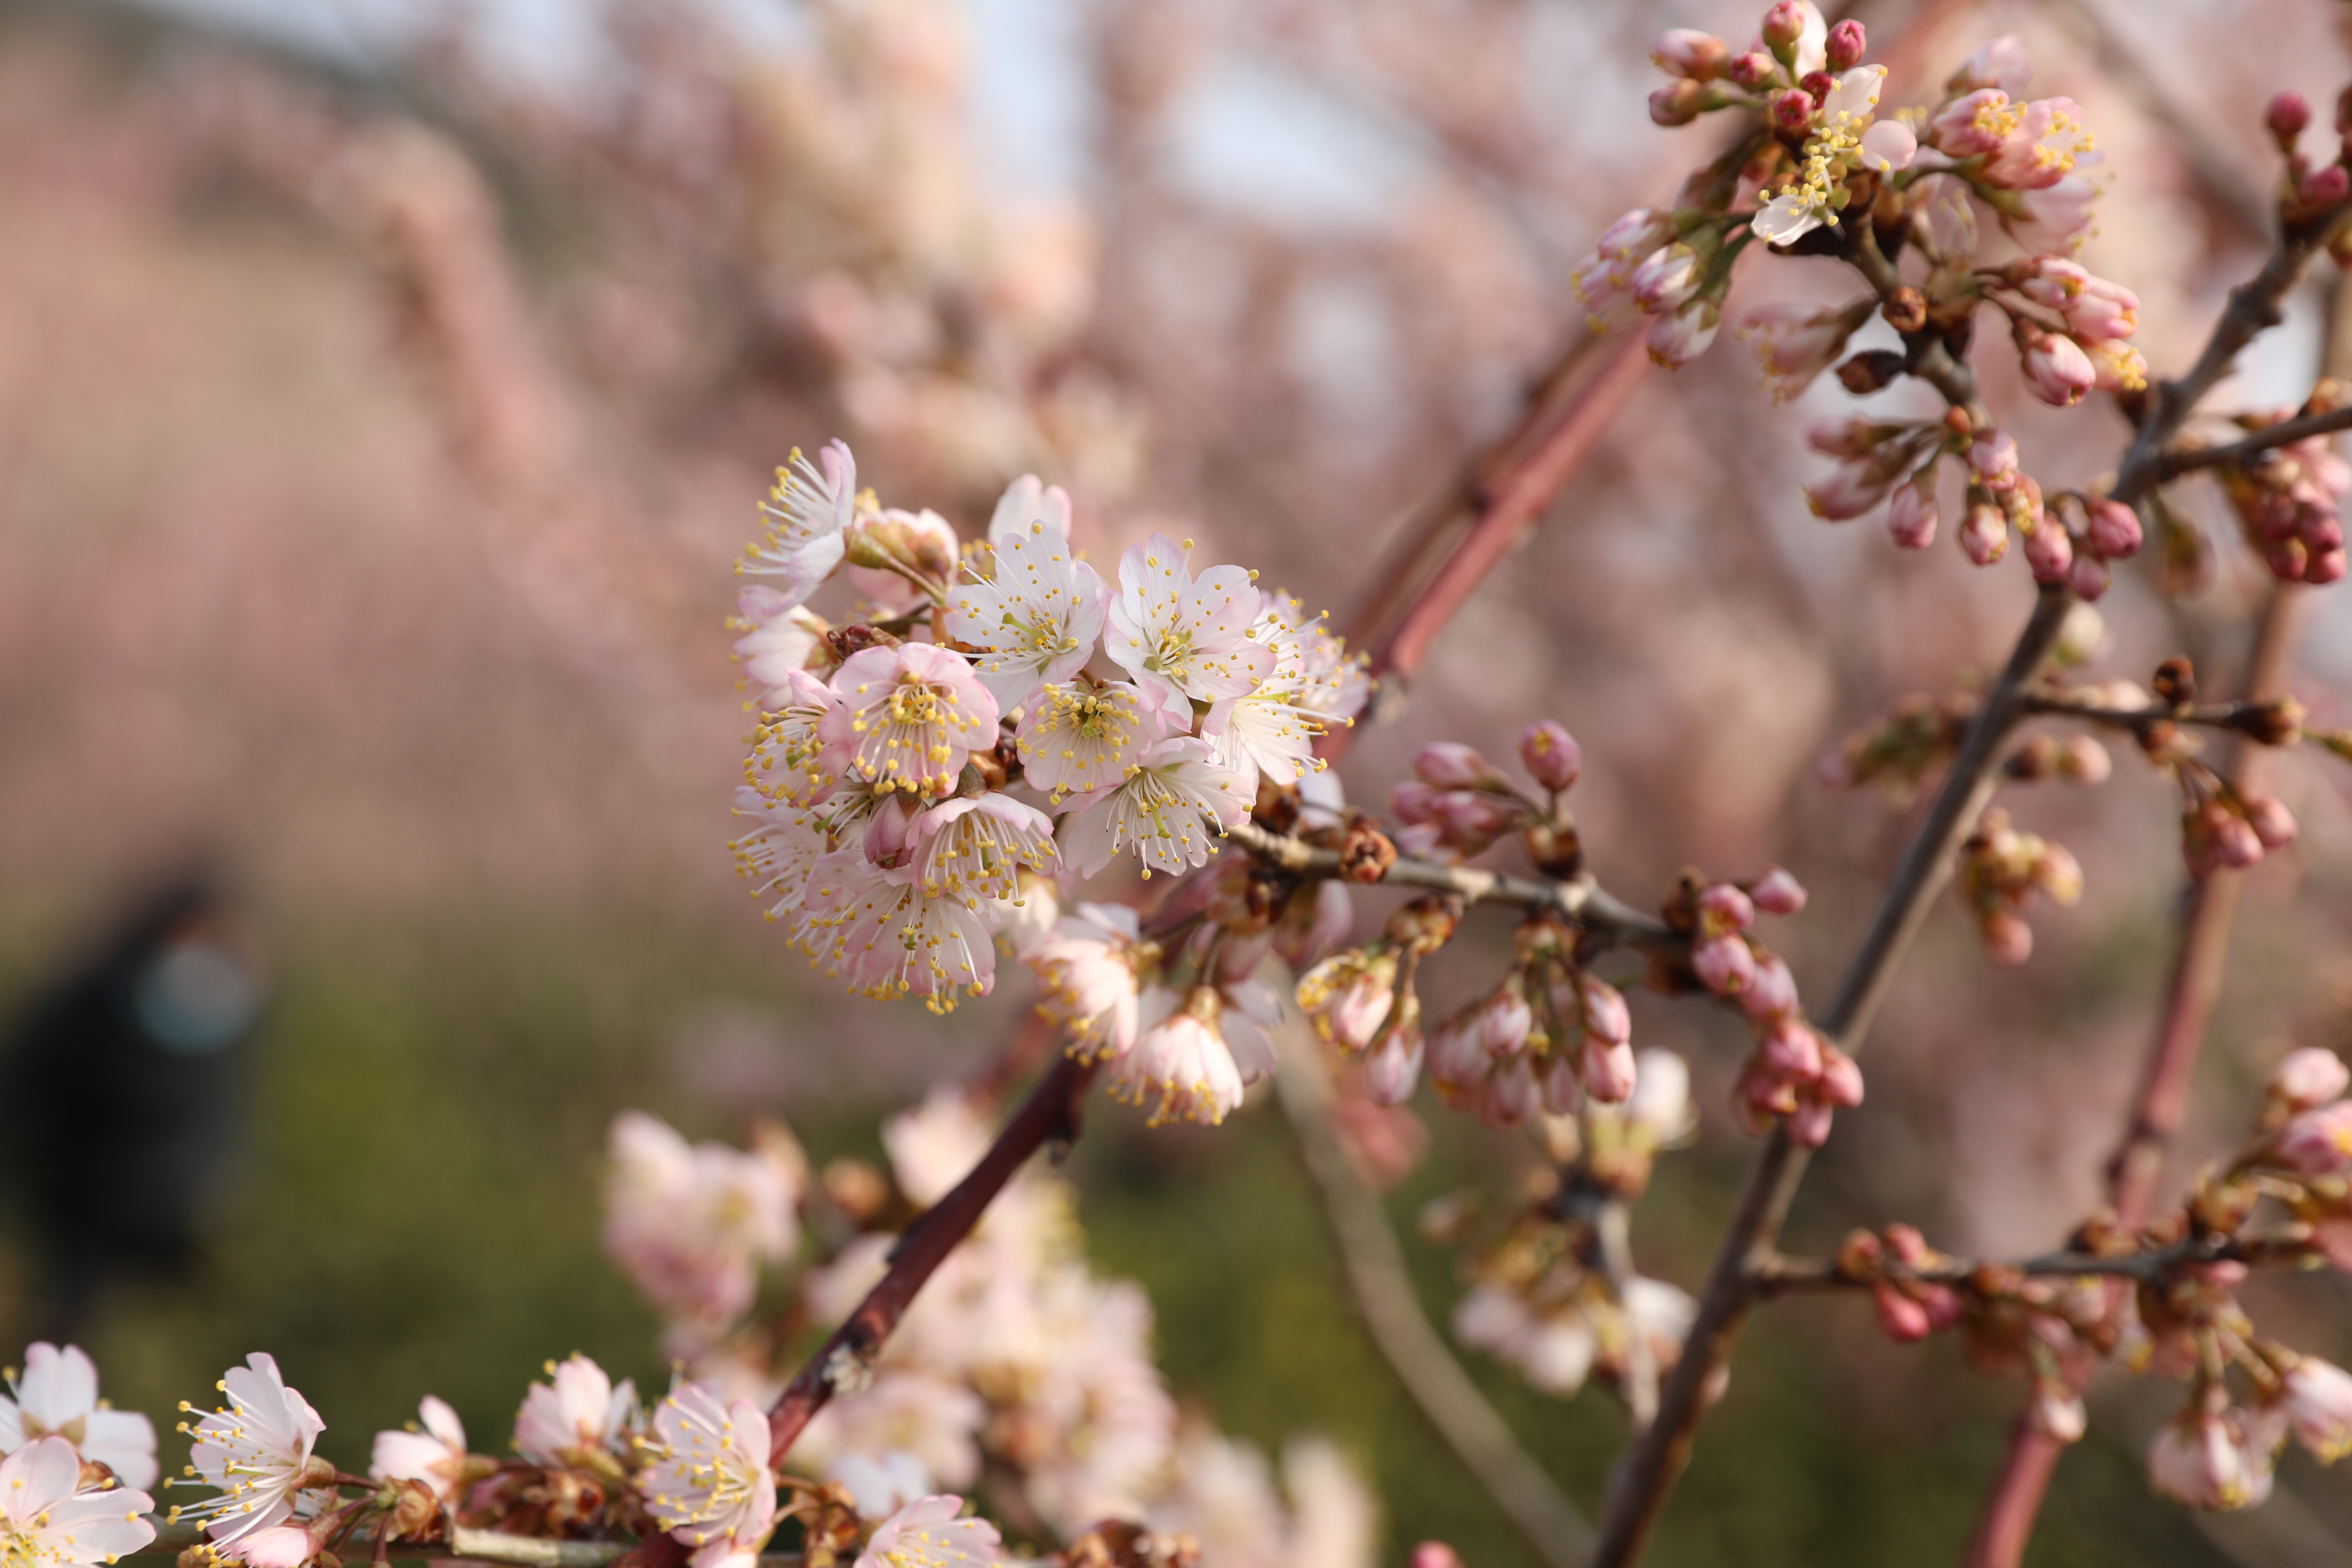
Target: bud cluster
[
  {"x": 2288, "y": 498},
  {"x": 2001, "y": 870}
]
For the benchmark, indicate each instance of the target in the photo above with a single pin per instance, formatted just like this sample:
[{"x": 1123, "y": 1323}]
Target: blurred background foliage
[{"x": 375, "y": 427}]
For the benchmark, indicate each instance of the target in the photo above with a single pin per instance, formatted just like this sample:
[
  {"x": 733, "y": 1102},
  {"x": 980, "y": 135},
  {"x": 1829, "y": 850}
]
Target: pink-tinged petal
[
  {"x": 1889, "y": 145},
  {"x": 124, "y": 1442}
]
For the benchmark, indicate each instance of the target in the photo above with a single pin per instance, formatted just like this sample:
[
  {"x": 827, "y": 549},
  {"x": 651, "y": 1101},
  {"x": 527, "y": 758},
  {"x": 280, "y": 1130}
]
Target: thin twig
[
  {"x": 1383, "y": 1293},
  {"x": 1777, "y": 1274},
  {"x": 2181, "y": 460},
  {"x": 1580, "y": 899}
]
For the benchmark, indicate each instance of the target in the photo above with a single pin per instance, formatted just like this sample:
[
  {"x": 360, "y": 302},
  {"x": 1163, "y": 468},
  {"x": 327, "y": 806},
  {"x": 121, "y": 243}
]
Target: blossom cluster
[
  {"x": 2164, "y": 1301},
  {"x": 908, "y": 769}
]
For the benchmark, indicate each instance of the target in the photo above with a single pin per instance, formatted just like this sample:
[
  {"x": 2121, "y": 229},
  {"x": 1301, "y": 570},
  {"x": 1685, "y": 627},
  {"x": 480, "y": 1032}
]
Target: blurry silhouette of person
[{"x": 121, "y": 1079}]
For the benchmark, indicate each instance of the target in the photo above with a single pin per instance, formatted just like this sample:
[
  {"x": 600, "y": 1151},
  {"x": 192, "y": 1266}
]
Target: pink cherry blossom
[
  {"x": 908, "y": 717},
  {"x": 2318, "y": 1142},
  {"x": 436, "y": 1456},
  {"x": 1038, "y": 616},
  {"x": 2309, "y": 1077},
  {"x": 2211, "y": 1461},
  {"x": 258, "y": 1452},
  {"x": 582, "y": 1412},
  {"x": 1087, "y": 972},
  {"x": 777, "y": 638},
  {"x": 707, "y": 1482},
  {"x": 1080, "y": 737},
  {"x": 975, "y": 848},
  {"x": 690, "y": 1224},
  {"x": 1181, "y": 1066},
  {"x": 926, "y": 1533},
  {"x": 926, "y": 538},
  {"x": 809, "y": 513},
  {"x": 1168, "y": 811}
]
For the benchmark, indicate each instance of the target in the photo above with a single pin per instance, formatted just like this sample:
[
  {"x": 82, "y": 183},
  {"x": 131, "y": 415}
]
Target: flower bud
[
  {"x": 1502, "y": 1021},
  {"x": 1984, "y": 535},
  {"x": 2273, "y": 823},
  {"x": 1410, "y": 802},
  {"x": 2090, "y": 578},
  {"x": 1677, "y": 103},
  {"x": 2056, "y": 368},
  {"x": 1912, "y": 517},
  {"x": 1723, "y": 908},
  {"x": 1902, "y": 1320},
  {"x": 1456, "y": 1056},
  {"x": 1436, "y": 1555},
  {"x": 1809, "y": 1124},
  {"x": 1791, "y": 111},
  {"x": 2008, "y": 940},
  {"x": 1771, "y": 995},
  {"x": 1751, "y": 71},
  {"x": 1551, "y": 755},
  {"x": 2323, "y": 188},
  {"x": 1392, "y": 1067},
  {"x": 1606, "y": 1016},
  {"x": 2310, "y": 1077},
  {"x": 1450, "y": 764},
  {"x": 2325, "y": 567},
  {"x": 1993, "y": 458},
  {"x": 1563, "y": 1090},
  {"x": 1784, "y": 24},
  {"x": 2287, "y": 116},
  {"x": 2082, "y": 759},
  {"x": 1689, "y": 52},
  {"x": 1792, "y": 1050},
  {"x": 1724, "y": 964},
  {"x": 1841, "y": 1081},
  {"x": 2049, "y": 550},
  {"x": 1512, "y": 1097},
  {"x": 1870, "y": 370},
  {"x": 1846, "y": 45},
  {"x": 1777, "y": 892},
  {"x": 2057, "y": 1411},
  {"x": 2316, "y": 1396},
  {"x": 1609, "y": 1070},
  {"x": 2113, "y": 530}
]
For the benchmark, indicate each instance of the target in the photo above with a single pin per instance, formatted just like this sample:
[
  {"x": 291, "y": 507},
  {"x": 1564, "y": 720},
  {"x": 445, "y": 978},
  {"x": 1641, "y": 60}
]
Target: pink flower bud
[
  {"x": 1723, "y": 908},
  {"x": 2210, "y": 1461},
  {"x": 1912, "y": 518},
  {"x": 1551, "y": 755},
  {"x": 1724, "y": 964},
  {"x": 2273, "y": 823},
  {"x": 1687, "y": 52},
  {"x": 889, "y": 834},
  {"x": 1457, "y": 1055},
  {"x": 1606, "y": 1017},
  {"x": 2084, "y": 759},
  {"x": 1676, "y": 340},
  {"x": 1511, "y": 1094},
  {"x": 1777, "y": 892},
  {"x": 1846, "y": 45},
  {"x": 2316, "y": 1142},
  {"x": 2287, "y": 116},
  {"x": 2325, "y": 187},
  {"x": 2114, "y": 529},
  {"x": 1840, "y": 1079},
  {"x": 1771, "y": 995},
  {"x": 1450, "y": 764},
  {"x": 2090, "y": 578},
  {"x": 2008, "y": 940},
  {"x": 2057, "y": 1411},
  {"x": 1943, "y": 1305},
  {"x": 1984, "y": 535},
  {"x": 1784, "y": 24},
  {"x": 1792, "y": 111},
  {"x": 2316, "y": 1397},
  {"x": 1818, "y": 85},
  {"x": 1608, "y": 1070},
  {"x": 1992, "y": 456},
  {"x": 2235, "y": 841},
  {"x": 1436, "y": 1555},
  {"x": 1409, "y": 801},
  {"x": 2325, "y": 567},
  {"x": 1751, "y": 71},
  {"x": 1902, "y": 1320},
  {"x": 1792, "y": 1050},
  {"x": 1809, "y": 1124},
  {"x": 1502, "y": 1021},
  {"x": 2049, "y": 550},
  {"x": 1764, "y": 1093},
  {"x": 1471, "y": 819},
  {"x": 1677, "y": 103},
  {"x": 1392, "y": 1067},
  {"x": 2055, "y": 368},
  {"x": 2310, "y": 1077}
]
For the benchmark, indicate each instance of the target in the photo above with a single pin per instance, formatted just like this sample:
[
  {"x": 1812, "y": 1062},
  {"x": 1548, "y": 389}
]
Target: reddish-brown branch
[
  {"x": 1050, "y": 1114},
  {"x": 2162, "y": 1103}
]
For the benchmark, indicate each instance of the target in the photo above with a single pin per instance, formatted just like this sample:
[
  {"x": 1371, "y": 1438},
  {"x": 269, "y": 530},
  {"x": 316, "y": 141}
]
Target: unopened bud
[
  {"x": 1984, "y": 533},
  {"x": 1551, "y": 755},
  {"x": 2287, "y": 115},
  {"x": 1846, "y": 42},
  {"x": 1687, "y": 52},
  {"x": 1365, "y": 853},
  {"x": 1784, "y": 24},
  {"x": 1436, "y": 1555},
  {"x": 1870, "y": 370},
  {"x": 2008, "y": 940},
  {"x": 1606, "y": 1016},
  {"x": 1678, "y": 102},
  {"x": 2310, "y": 1077},
  {"x": 1777, "y": 892},
  {"x": 1792, "y": 111},
  {"x": 2326, "y": 566},
  {"x": 1723, "y": 909},
  {"x": 2082, "y": 759},
  {"x": 1902, "y": 1319},
  {"x": 2113, "y": 528},
  {"x": 1751, "y": 71},
  {"x": 2176, "y": 681},
  {"x": 1905, "y": 310},
  {"x": 2323, "y": 188},
  {"x": 2276, "y": 722},
  {"x": 1724, "y": 964},
  {"x": 2090, "y": 578},
  {"x": 2273, "y": 823},
  {"x": 1818, "y": 85},
  {"x": 2049, "y": 550},
  {"x": 1450, "y": 764}
]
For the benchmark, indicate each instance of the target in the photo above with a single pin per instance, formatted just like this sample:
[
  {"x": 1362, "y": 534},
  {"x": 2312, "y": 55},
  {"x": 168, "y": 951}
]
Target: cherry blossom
[
  {"x": 47, "y": 1520},
  {"x": 436, "y": 1456},
  {"x": 580, "y": 1413},
  {"x": 1083, "y": 736},
  {"x": 1184, "y": 638},
  {"x": 908, "y": 715},
  {"x": 1087, "y": 975},
  {"x": 808, "y": 515},
  {"x": 707, "y": 1481},
  {"x": 692, "y": 1223},
  {"x": 1163, "y": 810},
  {"x": 1038, "y": 618},
  {"x": 926, "y": 1533},
  {"x": 56, "y": 1396},
  {"x": 974, "y": 848},
  {"x": 258, "y": 1452}
]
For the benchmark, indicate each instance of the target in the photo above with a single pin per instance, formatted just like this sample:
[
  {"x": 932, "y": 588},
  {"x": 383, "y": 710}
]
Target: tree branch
[
  {"x": 1383, "y": 1293},
  {"x": 2178, "y": 461}
]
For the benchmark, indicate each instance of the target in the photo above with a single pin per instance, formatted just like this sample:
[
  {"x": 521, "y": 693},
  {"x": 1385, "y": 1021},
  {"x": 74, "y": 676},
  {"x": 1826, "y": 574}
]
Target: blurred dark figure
[{"x": 120, "y": 1080}]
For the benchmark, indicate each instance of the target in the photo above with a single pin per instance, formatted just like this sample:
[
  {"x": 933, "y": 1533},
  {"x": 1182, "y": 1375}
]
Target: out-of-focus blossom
[
  {"x": 579, "y": 1411},
  {"x": 56, "y": 1396},
  {"x": 690, "y": 1224},
  {"x": 47, "y": 1521},
  {"x": 436, "y": 1456},
  {"x": 926, "y": 1533},
  {"x": 2215, "y": 1461}
]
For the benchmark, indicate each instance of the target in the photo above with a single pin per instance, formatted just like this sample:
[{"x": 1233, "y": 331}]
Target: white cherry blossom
[
  {"x": 47, "y": 1521},
  {"x": 707, "y": 1482},
  {"x": 1184, "y": 638},
  {"x": 436, "y": 1456},
  {"x": 1080, "y": 736},
  {"x": 1164, "y": 811},
  {"x": 778, "y": 638},
  {"x": 1087, "y": 970},
  {"x": 889, "y": 938},
  {"x": 1038, "y": 615},
  {"x": 808, "y": 515},
  {"x": 56, "y": 1396},
  {"x": 976, "y": 848},
  {"x": 908, "y": 716},
  {"x": 258, "y": 1452},
  {"x": 926, "y": 1533},
  {"x": 581, "y": 1412}
]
